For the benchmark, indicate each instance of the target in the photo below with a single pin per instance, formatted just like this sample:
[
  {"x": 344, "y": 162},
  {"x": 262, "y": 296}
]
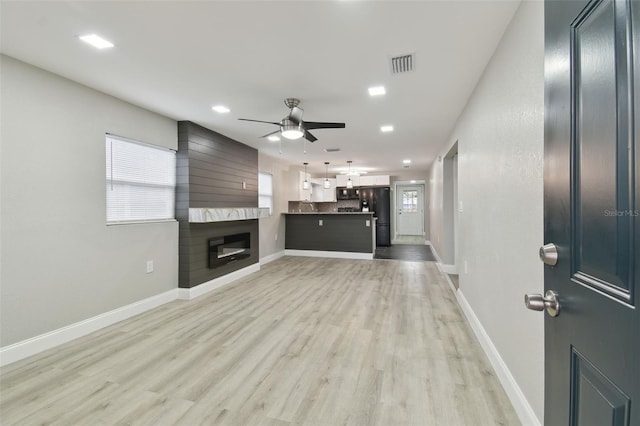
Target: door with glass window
[{"x": 410, "y": 210}]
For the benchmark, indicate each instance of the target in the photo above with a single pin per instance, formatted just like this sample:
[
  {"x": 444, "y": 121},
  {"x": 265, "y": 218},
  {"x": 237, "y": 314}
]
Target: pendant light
[
  {"x": 326, "y": 184},
  {"x": 349, "y": 181},
  {"x": 305, "y": 184}
]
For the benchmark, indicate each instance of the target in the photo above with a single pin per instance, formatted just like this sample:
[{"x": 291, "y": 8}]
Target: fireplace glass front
[{"x": 230, "y": 248}]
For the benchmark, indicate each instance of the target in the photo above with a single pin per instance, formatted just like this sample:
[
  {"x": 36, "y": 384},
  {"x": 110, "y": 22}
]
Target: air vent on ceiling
[
  {"x": 331, "y": 149},
  {"x": 402, "y": 63}
]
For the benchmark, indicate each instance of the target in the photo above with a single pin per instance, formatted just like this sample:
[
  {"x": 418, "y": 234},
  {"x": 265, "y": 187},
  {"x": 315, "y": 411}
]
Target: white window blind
[
  {"x": 141, "y": 181},
  {"x": 265, "y": 191}
]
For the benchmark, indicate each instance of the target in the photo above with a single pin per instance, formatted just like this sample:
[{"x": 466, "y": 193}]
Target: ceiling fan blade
[
  {"x": 308, "y": 136},
  {"x": 320, "y": 125},
  {"x": 296, "y": 115},
  {"x": 259, "y": 121},
  {"x": 269, "y": 134}
]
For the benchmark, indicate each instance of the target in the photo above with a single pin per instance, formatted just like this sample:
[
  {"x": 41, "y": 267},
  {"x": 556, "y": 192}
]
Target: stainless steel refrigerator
[{"x": 378, "y": 201}]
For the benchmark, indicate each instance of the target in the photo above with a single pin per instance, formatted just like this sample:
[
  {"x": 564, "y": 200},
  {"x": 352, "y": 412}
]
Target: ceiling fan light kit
[
  {"x": 293, "y": 127},
  {"x": 290, "y": 130}
]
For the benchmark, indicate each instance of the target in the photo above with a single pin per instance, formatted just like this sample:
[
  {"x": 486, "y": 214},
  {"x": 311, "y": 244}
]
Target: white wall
[
  {"x": 60, "y": 263},
  {"x": 272, "y": 228},
  {"x": 500, "y": 165}
]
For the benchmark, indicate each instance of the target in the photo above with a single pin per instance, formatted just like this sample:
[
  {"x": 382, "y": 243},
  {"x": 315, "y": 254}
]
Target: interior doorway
[{"x": 450, "y": 209}]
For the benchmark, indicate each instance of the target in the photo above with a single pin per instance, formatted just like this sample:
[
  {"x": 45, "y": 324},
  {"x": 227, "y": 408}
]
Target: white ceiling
[{"x": 179, "y": 58}]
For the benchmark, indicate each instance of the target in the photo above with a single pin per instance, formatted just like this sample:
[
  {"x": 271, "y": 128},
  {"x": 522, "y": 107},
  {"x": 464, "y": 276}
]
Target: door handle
[{"x": 550, "y": 302}]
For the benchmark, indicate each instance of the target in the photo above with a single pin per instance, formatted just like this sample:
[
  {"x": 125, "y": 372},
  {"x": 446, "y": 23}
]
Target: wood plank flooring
[{"x": 305, "y": 341}]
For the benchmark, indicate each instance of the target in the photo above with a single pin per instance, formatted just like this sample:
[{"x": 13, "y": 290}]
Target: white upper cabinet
[
  {"x": 296, "y": 181},
  {"x": 330, "y": 193},
  {"x": 342, "y": 180},
  {"x": 382, "y": 180},
  {"x": 367, "y": 180}
]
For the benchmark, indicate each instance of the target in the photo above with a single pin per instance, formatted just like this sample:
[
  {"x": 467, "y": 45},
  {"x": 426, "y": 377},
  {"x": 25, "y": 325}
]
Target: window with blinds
[
  {"x": 141, "y": 181},
  {"x": 265, "y": 191}
]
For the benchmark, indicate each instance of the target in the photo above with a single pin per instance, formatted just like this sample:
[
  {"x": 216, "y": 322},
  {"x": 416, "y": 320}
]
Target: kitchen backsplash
[{"x": 324, "y": 207}]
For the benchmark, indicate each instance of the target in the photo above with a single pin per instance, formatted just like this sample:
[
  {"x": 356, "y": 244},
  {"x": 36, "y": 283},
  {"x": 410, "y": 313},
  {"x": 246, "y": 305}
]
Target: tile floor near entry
[{"x": 304, "y": 341}]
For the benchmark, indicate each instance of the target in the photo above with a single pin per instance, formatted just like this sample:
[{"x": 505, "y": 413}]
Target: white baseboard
[
  {"x": 449, "y": 269},
  {"x": 435, "y": 253},
  {"x": 520, "y": 404},
  {"x": 453, "y": 288},
  {"x": 332, "y": 254},
  {"x": 200, "y": 289},
  {"x": 37, "y": 344},
  {"x": 271, "y": 257}
]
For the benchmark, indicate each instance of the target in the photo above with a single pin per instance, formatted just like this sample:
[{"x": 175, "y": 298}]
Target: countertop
[{"x": 350, "y": 213}]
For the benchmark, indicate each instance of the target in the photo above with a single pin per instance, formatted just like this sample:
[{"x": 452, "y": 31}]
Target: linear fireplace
[{"x": 229, "y": 248}]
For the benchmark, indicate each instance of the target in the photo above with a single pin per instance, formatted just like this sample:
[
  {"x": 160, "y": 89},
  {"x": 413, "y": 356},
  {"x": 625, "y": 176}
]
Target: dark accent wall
[
  {"x": 340, "y": 232},
  {"x": 211, "y": 169}
]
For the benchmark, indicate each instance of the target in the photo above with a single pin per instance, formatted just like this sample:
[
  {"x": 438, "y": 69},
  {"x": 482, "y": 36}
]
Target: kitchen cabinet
[
  {"x": 330, "y": 193},
  {"x": 342, "y": 180},
  {"x": 382, "y": 180},
  {"x": 296, "y": 181},
  {"x": 352, "y": 233},
  {"x": 365, "y": 180},
  {"x": 322, "y": 194}
]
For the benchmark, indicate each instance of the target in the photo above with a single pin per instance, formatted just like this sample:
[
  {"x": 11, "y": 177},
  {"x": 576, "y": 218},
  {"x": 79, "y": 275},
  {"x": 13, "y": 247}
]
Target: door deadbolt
[
  {"x": 550, "y": 302},
  {"x": 549, "y": 254}
]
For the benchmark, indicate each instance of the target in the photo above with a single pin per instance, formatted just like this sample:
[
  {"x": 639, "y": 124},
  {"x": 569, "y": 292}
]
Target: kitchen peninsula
[{"x": 348, "y": 235}]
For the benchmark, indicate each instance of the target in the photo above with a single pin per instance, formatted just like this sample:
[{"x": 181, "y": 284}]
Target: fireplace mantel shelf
[{"x": 206, "y": 215}]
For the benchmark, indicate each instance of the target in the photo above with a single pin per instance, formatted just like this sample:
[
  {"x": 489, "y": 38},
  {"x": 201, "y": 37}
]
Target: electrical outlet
[
  {"x": 320, "y": 222},
  {"x": 368, "y": 223},
  {"x": 149, "y": 266}
]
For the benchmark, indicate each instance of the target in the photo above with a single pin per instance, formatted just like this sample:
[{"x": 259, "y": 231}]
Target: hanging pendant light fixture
[
  {"x": 305, "y": 184},
  {"x": 349, "y": 181},
  {"x": 326, "y": 184}
]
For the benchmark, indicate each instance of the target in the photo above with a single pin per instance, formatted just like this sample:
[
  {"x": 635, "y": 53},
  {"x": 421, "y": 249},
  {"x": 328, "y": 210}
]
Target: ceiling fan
[{"x": 293, "y": 127}]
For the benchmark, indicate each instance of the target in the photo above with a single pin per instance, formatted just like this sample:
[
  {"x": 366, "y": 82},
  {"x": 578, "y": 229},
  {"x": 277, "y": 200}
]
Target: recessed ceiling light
[
  {"x": 387, "y": 128},
  {"x": 377, "y": 91},
  {"x": 96, "y": 41},
  {"x": 273, "y": 138},
  {"x": 406, "y": 161},
  {"x": 221, "y": 109}
]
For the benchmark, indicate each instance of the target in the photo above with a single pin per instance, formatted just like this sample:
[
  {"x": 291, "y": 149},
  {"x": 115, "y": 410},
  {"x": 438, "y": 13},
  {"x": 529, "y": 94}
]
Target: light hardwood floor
[{"x": 304, "y": 341}]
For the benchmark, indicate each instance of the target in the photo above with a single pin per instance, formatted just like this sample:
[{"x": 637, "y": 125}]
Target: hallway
[{"x": 303, "y": 341}]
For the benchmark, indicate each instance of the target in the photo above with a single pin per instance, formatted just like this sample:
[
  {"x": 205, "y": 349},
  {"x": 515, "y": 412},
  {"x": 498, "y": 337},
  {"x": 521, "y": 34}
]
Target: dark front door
[{"x": 592, "y": 348}]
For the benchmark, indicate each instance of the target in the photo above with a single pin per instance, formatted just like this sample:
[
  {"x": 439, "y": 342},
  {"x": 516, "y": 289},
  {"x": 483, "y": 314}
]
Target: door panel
[
  {"x": 602, "y": 197},
  {"x": 596, "y": 400},
  {"x": 410, "y": 210},
  {"x": 592, "y": 349}
]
